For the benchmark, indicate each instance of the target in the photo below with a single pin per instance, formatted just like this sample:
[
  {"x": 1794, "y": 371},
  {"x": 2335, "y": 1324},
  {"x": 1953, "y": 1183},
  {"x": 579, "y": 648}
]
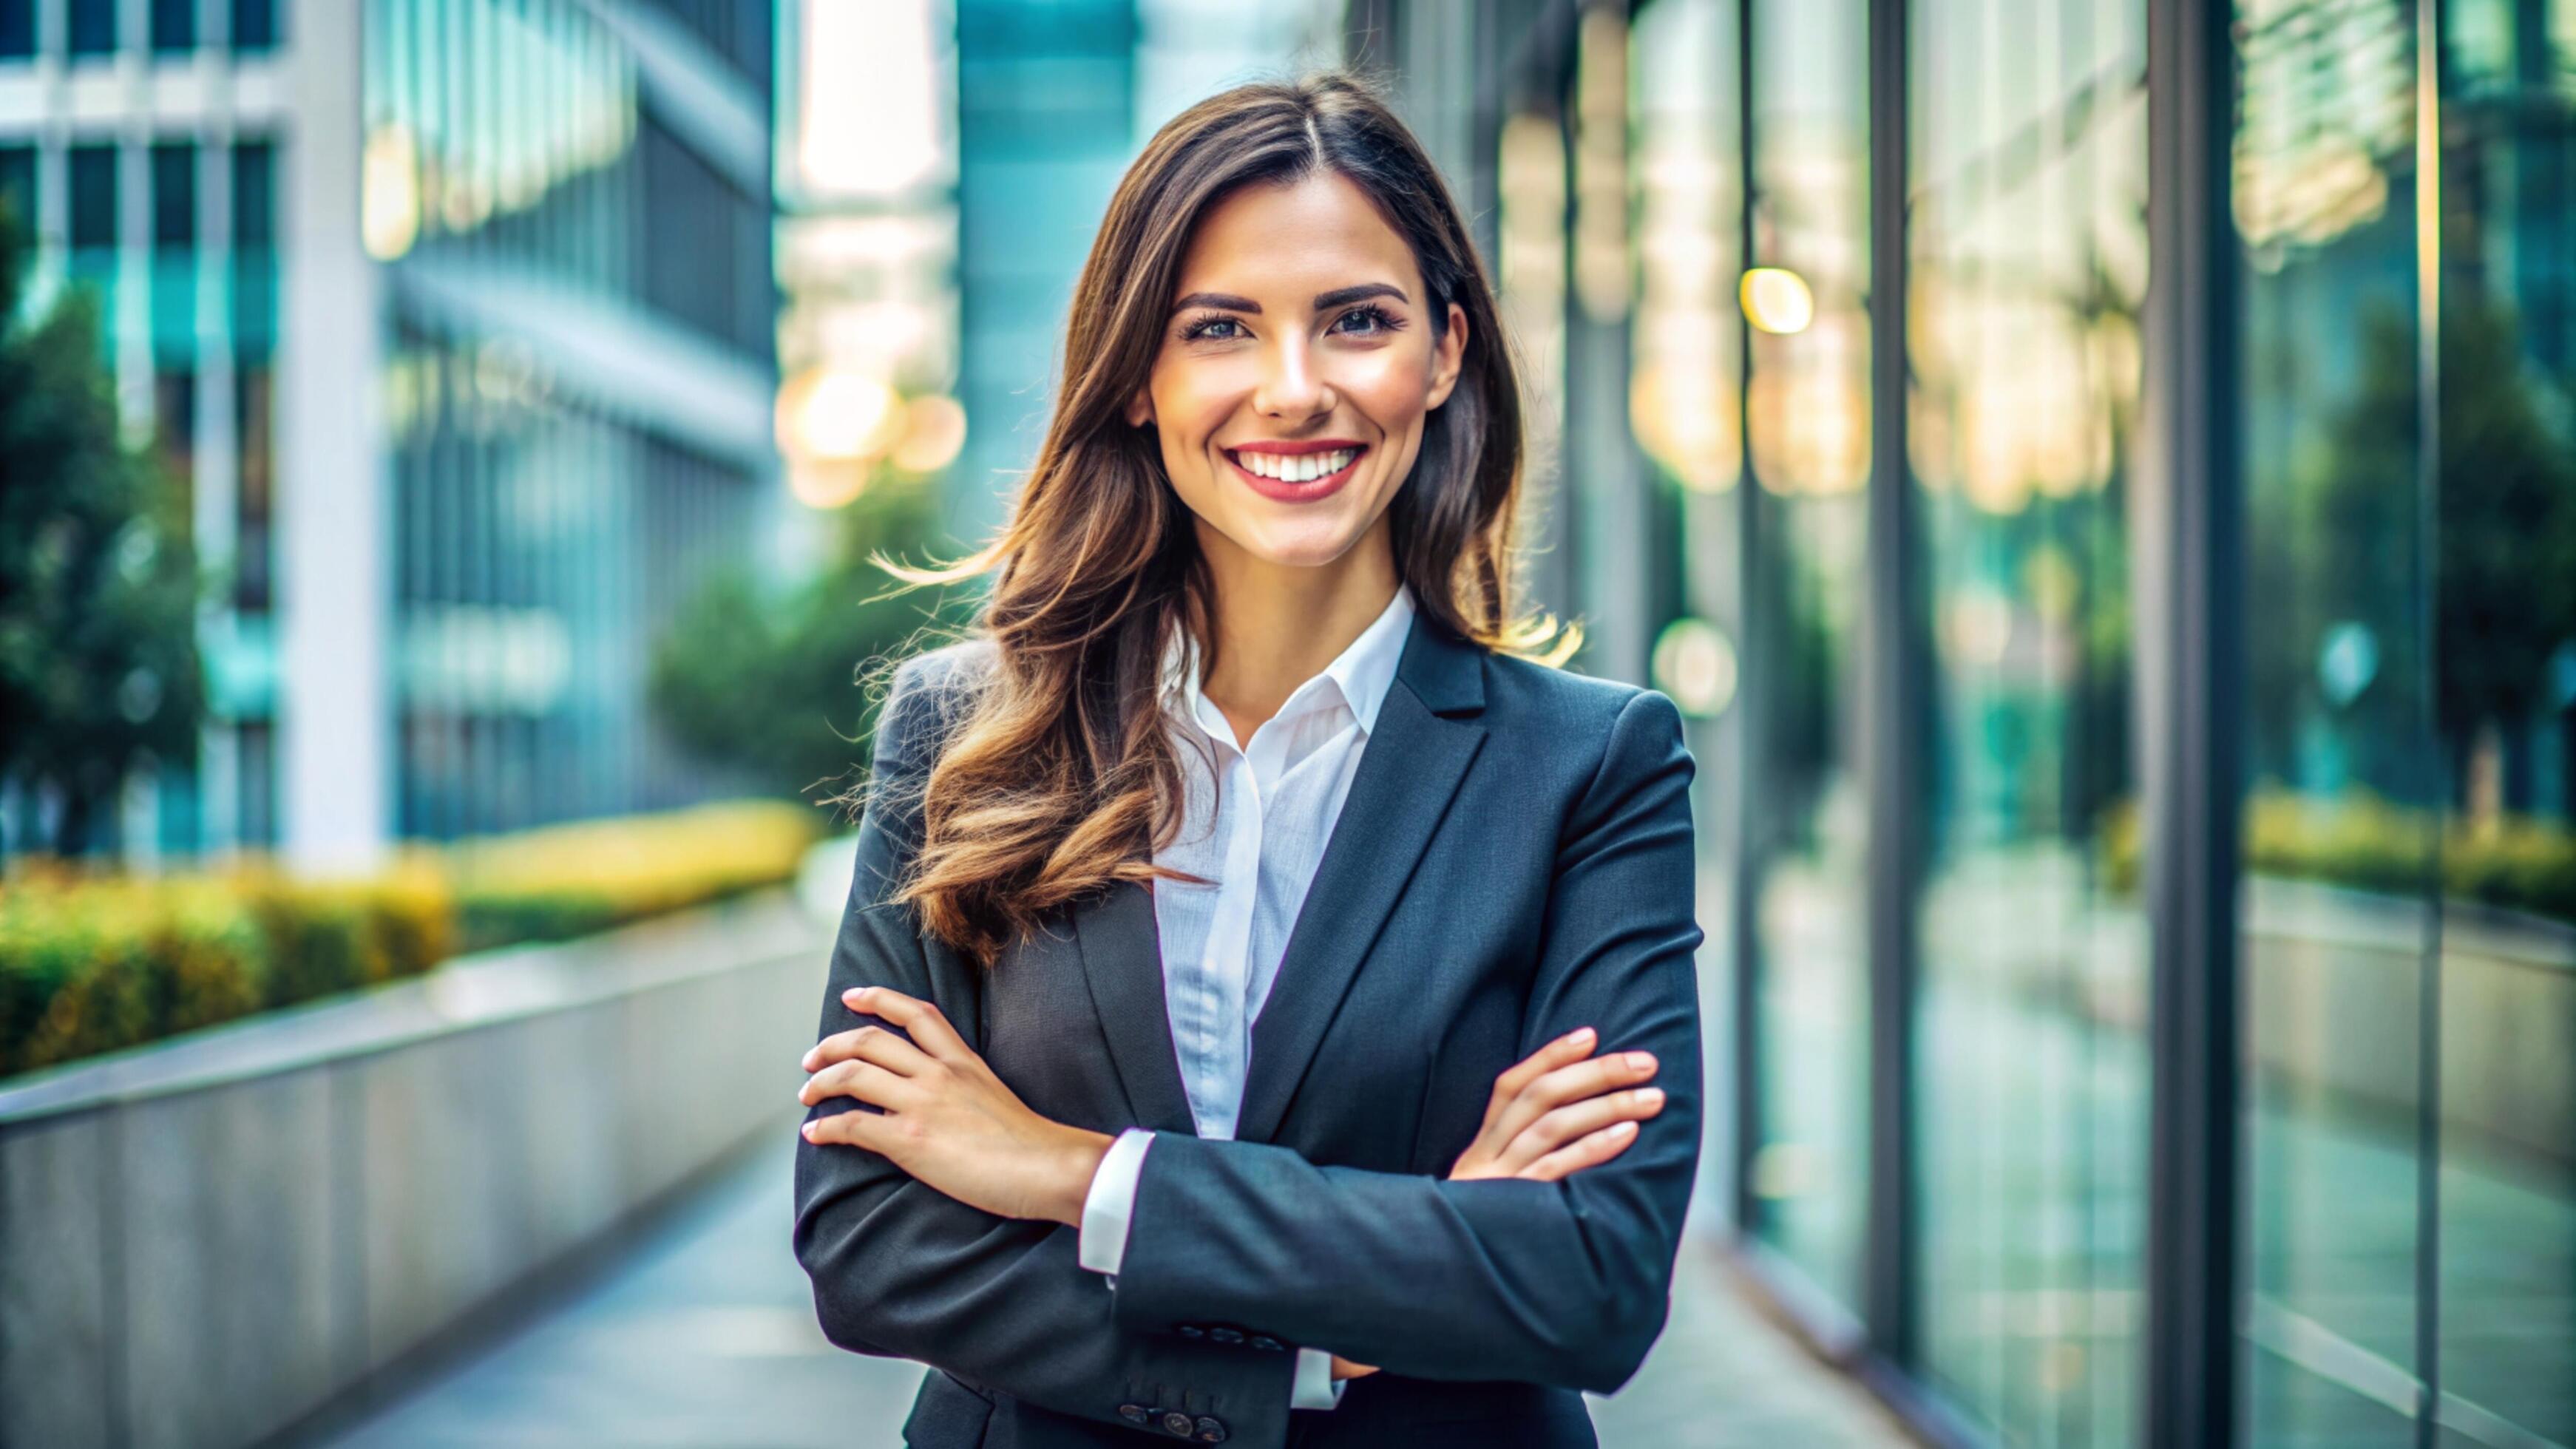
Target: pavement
[{"x": 702, "y": 1334}]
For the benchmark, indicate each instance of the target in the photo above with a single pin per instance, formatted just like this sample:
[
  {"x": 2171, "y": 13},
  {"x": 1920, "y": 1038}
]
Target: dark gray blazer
[{"x": 1513, "y": 861}]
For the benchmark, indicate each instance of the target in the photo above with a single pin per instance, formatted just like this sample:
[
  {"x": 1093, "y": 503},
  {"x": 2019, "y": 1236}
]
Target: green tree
[
  {"x": 774, "y": 686},
  {"x": 98, "y": 581}
]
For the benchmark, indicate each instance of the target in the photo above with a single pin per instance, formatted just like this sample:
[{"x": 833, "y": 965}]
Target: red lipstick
[{"x": 1309, "y": 490}]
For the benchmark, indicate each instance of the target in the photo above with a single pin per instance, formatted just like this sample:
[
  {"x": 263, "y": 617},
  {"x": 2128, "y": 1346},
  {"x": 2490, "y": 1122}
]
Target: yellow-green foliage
[
  {"x": 2360, "y": 840},
  {"x": 90, "y": 964},
  {"x": 570, "y": 880}
]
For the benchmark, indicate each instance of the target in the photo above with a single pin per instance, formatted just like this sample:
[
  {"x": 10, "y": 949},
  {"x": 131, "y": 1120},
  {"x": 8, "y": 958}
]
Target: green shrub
[
  {"x": 91, "y": 964},
  {"x": 2521, "y": 862}
]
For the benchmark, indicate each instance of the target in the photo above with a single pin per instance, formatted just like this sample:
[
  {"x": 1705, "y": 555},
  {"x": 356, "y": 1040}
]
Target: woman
[{"x": 1135, "y": 1157}]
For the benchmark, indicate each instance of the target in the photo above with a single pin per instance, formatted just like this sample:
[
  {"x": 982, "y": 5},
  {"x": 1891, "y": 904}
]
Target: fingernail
[
  {"x": 1641, "y": 1061},
  {"x": 1622, "y": 1129},
  {"x": 854, "y": 993},
  {"x": 1651, "y": 1097},
  {"x": 1578, "y": 1036},
  {"x": 807, "y": 1131}
]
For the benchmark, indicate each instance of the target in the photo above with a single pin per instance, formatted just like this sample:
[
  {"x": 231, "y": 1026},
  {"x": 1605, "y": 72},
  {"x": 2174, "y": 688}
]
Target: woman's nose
[{"x": 1290, "y": 386}]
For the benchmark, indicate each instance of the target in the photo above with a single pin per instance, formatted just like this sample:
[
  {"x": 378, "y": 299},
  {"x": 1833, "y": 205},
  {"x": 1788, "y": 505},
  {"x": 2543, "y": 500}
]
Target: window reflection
[
  {"x": 2504, "y": 682},
  {"x": 2026, "y": 184},
  {"x": 2410, "y": 890},
  {"x": 1807, "y": 410}
]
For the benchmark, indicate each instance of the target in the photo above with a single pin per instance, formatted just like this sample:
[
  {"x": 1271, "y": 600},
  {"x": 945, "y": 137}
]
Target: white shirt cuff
[
  {"x": 1111, "y": 1201},
  {"x": 1315, "y": 1386}
]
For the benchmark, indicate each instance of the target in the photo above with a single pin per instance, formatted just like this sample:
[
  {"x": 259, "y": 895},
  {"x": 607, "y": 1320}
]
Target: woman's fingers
[
  {"x": 1571, "y": 1047},
  {"x": 1583, "y": 1152},
  {"x": 1573, "y": 1083},
  {"x": 928, "y": 1028},
  {"x": 849, "y": 1129},
  {"x": 1579, "y": 1119},
  {"x": 868, "y": 1043},
  {"x": 863, "y": 1080}
]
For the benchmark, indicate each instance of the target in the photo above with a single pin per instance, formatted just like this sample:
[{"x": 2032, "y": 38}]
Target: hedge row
[
  {"x": 2522, "y": 862},
  {"x": 91, "y": 964}
]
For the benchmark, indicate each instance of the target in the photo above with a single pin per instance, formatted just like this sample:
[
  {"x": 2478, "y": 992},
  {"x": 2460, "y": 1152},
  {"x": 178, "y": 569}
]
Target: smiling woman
[
  {"x": 1302, "y": 362},
  {"x": 1266, "y": 984}
]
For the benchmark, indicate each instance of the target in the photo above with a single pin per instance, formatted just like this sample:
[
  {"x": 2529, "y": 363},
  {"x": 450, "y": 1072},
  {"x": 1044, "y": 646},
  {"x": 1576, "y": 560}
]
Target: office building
[
  {"x": 2102, "y": 478},
  {"x": 457, "y": 317}
]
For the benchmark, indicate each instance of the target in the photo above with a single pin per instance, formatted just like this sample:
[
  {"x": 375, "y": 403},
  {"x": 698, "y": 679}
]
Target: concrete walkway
[{"x": 705, "y": 1336}]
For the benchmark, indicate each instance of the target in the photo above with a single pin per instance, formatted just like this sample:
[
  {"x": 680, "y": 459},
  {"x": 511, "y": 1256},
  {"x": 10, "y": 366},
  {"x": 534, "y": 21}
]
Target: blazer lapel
[
  {"x": 1122, "y": 958},
  {"x": 1408, "y": 772}
]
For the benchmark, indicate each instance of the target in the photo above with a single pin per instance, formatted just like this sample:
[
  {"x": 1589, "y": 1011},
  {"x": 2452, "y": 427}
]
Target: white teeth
[{"x": 1299, "y": 468}]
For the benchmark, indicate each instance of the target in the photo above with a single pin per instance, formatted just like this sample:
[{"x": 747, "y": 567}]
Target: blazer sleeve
[
  {"x": 901, "y": 1270},
  {"x": 1563, "y": 1283}
]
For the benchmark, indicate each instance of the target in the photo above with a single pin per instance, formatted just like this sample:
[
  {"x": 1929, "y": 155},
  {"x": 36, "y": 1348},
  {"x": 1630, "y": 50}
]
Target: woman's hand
[
  {"x": 1558, "y": 1113},
  {"x": 948, "y": 1121},
  {"x": 1551, "y": 1116}
]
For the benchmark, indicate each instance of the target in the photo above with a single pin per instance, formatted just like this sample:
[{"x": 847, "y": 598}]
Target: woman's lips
[{"x": 1306, "y": 492}]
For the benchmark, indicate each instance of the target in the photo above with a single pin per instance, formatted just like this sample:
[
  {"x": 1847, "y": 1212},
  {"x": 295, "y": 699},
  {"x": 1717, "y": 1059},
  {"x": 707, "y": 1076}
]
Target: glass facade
[
  {"x": 2410, "y": 530},
  {"x": 2026, "y": 256},
  {"x": 546, "y": 528},
  {"x": 568, "y": 315},
  {"x": 1804, "y": 561},
  {"x": 1910, "y": 316},
  {"x": 1046, "y": 102}
]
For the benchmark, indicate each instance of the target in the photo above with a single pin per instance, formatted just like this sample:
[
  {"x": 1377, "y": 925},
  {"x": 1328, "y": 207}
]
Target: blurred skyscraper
[
  {"x": 1054, "y": 97},
  {"x": 457, "y": 316}
]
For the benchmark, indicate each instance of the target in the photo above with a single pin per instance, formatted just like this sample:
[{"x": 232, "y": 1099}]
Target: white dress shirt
[{"x": 1255, "y": 825}]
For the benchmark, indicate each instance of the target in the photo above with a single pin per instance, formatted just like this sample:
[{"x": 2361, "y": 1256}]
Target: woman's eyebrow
[{"x": 1339, "y": 296}]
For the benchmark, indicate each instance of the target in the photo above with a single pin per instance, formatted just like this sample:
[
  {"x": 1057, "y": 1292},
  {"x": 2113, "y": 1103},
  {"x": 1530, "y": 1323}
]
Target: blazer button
[
  {"x": 1179, "y": 1424},
  {"x": 1134, "y": 1413},
  {"x": 1265, "y": 1341},
  {"x": 1226, "y": 1335},
  {"x": 1210, "y": 1431},
  {"x": 1192, "y": 1330}
]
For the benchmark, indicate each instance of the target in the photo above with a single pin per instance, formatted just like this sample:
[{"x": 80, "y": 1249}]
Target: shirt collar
[{"x": 1364, "y": 671}]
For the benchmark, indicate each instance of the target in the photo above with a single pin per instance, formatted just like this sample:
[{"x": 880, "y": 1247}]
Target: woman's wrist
[{"x": 1070, "y": 1167}]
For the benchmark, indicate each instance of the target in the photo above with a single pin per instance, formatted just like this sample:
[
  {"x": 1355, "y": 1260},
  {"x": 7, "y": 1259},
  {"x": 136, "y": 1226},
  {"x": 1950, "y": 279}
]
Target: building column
[{"x": 334, "y": 551}]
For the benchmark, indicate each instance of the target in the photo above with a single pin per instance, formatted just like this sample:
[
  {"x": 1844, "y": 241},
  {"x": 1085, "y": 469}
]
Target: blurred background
[{"x": 2099, "y": 476}]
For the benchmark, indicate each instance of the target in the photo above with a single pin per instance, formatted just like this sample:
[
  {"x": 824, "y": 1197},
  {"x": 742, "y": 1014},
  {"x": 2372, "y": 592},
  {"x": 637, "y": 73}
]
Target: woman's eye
[
  {"x": 1377, "y": 318},
  {"x": 1203, "y": 329}
]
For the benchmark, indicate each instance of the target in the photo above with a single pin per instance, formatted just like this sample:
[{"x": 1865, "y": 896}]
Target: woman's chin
[{"x": 1304, "y": 547}]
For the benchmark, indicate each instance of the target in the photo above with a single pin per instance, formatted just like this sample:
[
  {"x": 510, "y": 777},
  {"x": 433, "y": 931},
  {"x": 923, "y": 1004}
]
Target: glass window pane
[
  {"x": 92, "y": 26},
  {"x": 93, "y": 196},
  {"x": 254, "y": 196},
  {"x": 1807, "y": 425},
  {"x": 2026, "y": 278},
  {"x": 174, "y": 24},
  {"x": 2505, "y": 702},
  {"x": 18, "y": 186},
  {"x": 254, "y": 413},
  {"x": 174, "y": 195},
  {"x": 17, "y": 29},
  {"x": 174, "y": 420},
  {"x": 2340, "y": 775},
  {"x": 254, "y": 24}
]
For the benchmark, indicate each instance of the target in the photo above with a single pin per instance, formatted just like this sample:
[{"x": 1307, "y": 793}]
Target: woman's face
[{"x": 1299, "y": 340}]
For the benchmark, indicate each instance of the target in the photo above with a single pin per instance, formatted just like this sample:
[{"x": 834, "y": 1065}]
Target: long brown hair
[{"x": 1048, "y": 784}]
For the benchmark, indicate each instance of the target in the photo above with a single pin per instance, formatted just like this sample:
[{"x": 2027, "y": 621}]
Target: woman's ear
[
  {"x": 1140, "y": 408},
  {"x": 1448, "y": 357}
]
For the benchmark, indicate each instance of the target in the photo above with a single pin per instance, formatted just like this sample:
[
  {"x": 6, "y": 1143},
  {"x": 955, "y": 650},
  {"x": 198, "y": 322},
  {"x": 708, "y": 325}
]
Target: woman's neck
[{"x": 1278, "y": 625}]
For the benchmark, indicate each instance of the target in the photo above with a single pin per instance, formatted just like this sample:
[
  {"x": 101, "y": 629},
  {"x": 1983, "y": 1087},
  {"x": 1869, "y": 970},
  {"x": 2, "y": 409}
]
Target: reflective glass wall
[
  {"x": 1912, "y": 310},
  {"x": 2408, "y": 908},
  {"x": 1806, "y": 409},
  {"x": 2027, "y": 271},
  {"x": 575, "y": 385}
]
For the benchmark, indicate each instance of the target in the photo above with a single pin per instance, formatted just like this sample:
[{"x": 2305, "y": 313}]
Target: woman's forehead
[{"x": 1282, "y": 244}]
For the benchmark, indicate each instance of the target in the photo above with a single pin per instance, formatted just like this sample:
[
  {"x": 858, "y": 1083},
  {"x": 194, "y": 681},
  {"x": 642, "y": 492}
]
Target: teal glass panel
[
  {"x": 1807, "y": 427},
  {"x": 2027, "y": 275}
]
